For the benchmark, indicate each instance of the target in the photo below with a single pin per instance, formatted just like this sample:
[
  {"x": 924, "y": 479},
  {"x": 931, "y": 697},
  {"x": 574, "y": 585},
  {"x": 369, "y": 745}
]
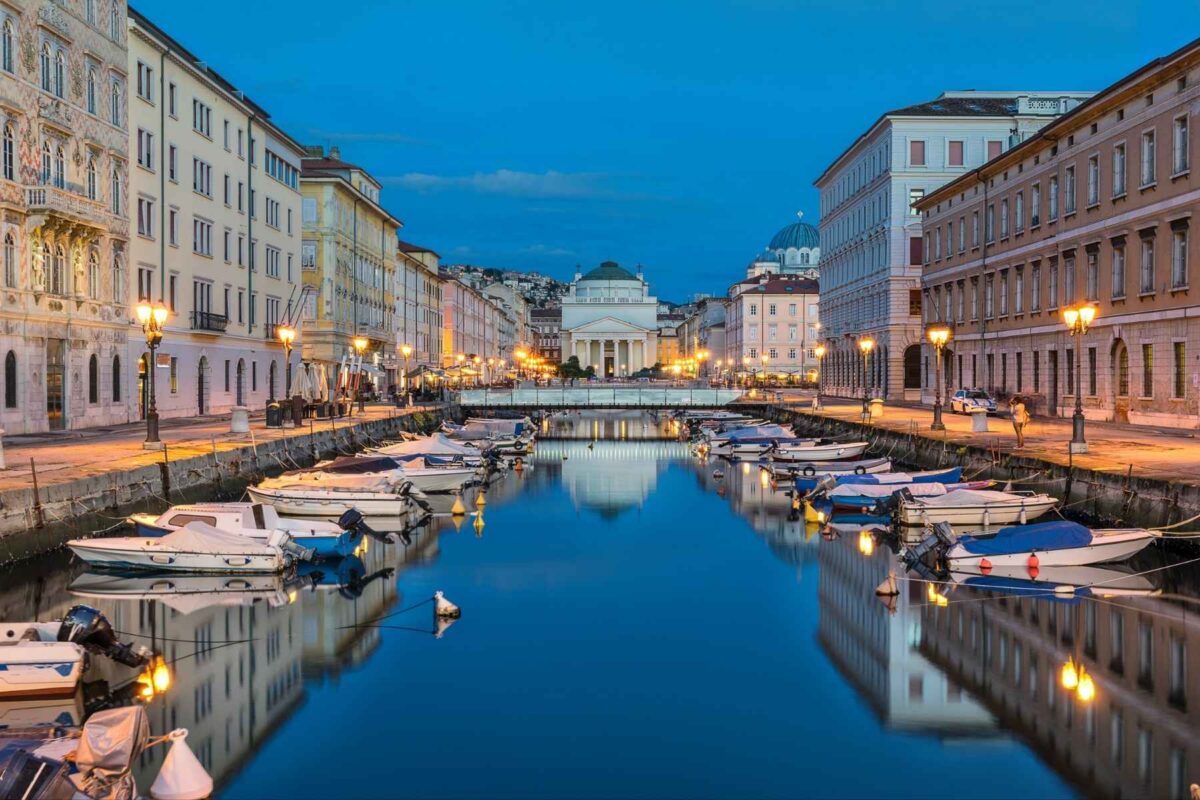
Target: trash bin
[
  {"x": 274, "y": 415},
  {"x": 876, "y": 408},
  {"x": 979, "y": 420},
  {"x": 297, "y": 410}
]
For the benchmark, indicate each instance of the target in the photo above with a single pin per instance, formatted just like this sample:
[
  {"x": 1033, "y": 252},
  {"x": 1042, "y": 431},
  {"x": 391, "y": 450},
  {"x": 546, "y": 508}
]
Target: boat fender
[
  {"x": 182, "y": 776},
  {"x": 1032, "y": 562},
  {"x": 1022, "y": 519},
  {"x": 985, "y": 566},
  {"x": 443, "y": 607},
  {"x": 888, "y": 588},
  {"x": 860, "y": 470},
  {"x": 809, "y": 471}
]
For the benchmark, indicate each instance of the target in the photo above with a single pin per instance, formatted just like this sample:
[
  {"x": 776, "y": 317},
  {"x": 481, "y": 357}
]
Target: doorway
[
  {"x": 240, "y": 386},
  {"x": 202, "y": 386},
  {"x": 143, "y": 386},
  {"x": 1052, "y": 395},
  {"x": 56, "y": 371}
]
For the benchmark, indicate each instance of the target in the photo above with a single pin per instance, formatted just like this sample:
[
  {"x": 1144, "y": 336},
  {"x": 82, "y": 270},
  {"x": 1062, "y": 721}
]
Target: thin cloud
[
  {"x": 386, "y": 137},
  {"x": 545, "y": 250},
  {"x": 513, "y": 183}
]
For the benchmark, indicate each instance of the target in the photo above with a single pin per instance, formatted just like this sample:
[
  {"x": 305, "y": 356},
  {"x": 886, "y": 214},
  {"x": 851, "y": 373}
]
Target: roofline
[
  {"x": 330, "y": 178},
  {"x": 1082, "y": 112},
  {"x": 209, "y": 75}
]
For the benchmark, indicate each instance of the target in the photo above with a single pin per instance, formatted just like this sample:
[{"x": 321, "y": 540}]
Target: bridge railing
[{"x": 564, "y": 397}]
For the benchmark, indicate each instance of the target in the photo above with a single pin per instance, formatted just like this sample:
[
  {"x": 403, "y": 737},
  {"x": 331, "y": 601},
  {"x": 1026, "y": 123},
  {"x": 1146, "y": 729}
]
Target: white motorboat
[
  {"x": 1053, "y": 544},
  {"x": 438, "y": 445},
  {"x": 255, "y": 521},
  {"x": 815, "y": 470},
  {"x": 425, "y": 473},
  {"x": 816, "y": 452},
  {"x": 332, "y": 495},
  {"x": 47, "y": 659},
  {"x": 196, "y": 547},
  {"x": 971, "y": 508}
]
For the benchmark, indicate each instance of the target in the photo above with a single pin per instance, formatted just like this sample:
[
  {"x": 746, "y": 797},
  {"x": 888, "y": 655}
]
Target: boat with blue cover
[
  {"x": 867, "y": 478},
  {"x": 1058, "y": 543},
  {"x": 863, "y": 497}
]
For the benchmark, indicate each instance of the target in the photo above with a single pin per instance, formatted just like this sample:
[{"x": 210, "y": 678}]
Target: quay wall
[
  {"x": 32, "y": 524},
  {"x": 1099, "y": 498}
]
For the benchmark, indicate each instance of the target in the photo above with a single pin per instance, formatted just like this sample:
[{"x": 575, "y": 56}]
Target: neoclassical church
[
  {"x": 609, "y": 321},
  {"x": 795, "y": 250}
]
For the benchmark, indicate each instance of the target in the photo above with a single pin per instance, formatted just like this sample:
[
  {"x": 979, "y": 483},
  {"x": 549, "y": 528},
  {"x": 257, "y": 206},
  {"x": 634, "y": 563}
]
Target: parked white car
[{"x": 962, "y": 401}]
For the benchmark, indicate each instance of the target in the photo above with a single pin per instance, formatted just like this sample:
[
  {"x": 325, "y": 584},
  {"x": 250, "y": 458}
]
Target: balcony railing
[
  {"x": 208, "y": 321},
  {"x": 64, "y": 202}
]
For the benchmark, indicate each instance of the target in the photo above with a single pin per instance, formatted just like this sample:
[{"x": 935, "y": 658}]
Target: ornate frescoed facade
[{"x": 64, "y": 299}]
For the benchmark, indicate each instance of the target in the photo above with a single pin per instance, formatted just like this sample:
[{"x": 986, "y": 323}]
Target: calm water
[{"x": 635, "y": 627}]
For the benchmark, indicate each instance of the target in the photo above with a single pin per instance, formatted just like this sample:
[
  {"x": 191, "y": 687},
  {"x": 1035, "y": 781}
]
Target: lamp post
[
  {"x": 1078, "y": 319},
  {"x": 819, "y": 350},
  {"x": 520, "y": 355},
  {"x": 360, "y": 346},
  {"x": 766, "y": 360},
  {"x": 153, "y": 319},
  {"x": 938, "y": 336},
  {"x": 406, "y": 351},
  {"x": 866, "y": 344},
  {"x": 287, "y": 335}
]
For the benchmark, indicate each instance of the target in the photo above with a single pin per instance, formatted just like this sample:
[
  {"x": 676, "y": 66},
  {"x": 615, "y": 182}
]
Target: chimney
[
  {"x": 578, "y": 272},
  {"x": 335, "y": 153},
  {"x": 639, "y": 274}
]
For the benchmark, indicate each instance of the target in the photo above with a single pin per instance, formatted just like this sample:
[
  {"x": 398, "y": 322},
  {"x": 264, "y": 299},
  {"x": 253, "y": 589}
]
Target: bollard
[{"x": 239, "y": 420}]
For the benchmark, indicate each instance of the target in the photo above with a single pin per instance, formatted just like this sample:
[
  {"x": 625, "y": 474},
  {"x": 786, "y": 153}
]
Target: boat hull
[
  {"x": 40, "y": 669},
  {"x": 116, "y": 554},
  {"x": 824, "y": 452},
  {"x": 440, "y": 480},
  {"x": 331, "y": 504},
  {"x": 980, "y": 516},
  {"x": 1105, "y": 548}
]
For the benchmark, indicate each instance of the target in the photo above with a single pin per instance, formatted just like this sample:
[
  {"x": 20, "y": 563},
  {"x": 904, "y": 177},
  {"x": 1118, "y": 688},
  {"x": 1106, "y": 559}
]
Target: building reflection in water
[
  {"x": 1138, "y": 737},
  {"x": 604, "y": 476},
  {"x": 877, "y": 649}
]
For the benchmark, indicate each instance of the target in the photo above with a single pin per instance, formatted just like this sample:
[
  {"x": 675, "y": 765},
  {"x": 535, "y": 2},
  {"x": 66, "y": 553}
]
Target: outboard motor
[
  {"x": 823, "y": 486},
  {"x": 352, "y": 521},
  {"x": 87, "y": 627},
  {"x": 939, "y": 540}
]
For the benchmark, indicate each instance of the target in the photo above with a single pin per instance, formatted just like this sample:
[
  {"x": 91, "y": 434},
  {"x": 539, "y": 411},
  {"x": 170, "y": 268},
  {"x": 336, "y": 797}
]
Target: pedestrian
[{"x": 1020, "y": 417}]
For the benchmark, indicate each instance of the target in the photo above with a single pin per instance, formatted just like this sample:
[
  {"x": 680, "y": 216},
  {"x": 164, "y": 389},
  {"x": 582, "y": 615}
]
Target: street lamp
[
  {"x": 819, "y": 350},
  {"x": 360, "y": 346},
  {"x": 1078, "y": 319},
  {"x": 938, "y": 336},
  {"x": 287, "y": 335},
  {"x": 866, "y": 344},
  {"x": 153, "y": 319},
  {"x": 406, "y": 351}
]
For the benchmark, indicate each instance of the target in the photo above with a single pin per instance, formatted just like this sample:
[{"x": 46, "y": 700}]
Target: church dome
[
  {"x": 799, "y": 235},
  {"x": 610, "y": 271}
]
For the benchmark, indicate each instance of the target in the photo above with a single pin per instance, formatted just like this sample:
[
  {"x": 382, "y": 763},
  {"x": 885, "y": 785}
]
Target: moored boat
[
  {"x": 1051, "y": 544},
  {"x": 807, "y": 473},
  {"x": 196, "y": 547},
  {"x": 969, "y": 508},
  {"x": 831, "y": 451},
  {"x": 373, "y": 496}
]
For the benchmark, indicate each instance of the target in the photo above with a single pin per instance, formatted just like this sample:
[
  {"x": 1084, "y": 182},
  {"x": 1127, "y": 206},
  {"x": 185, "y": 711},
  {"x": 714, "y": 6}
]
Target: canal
[{"x": 641, "y": 623}]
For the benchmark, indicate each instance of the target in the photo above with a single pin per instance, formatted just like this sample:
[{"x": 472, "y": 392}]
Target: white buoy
[
  {"x": 888, "y": 588},
  {"x": 443, "y": 607},
  {"x": 182, "y": 776}
]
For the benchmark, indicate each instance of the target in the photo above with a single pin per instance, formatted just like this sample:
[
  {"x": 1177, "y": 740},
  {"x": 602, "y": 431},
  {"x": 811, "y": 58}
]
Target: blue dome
[
  {"x": 768, "y": 255},
  {"x": 798, "y": 235}
]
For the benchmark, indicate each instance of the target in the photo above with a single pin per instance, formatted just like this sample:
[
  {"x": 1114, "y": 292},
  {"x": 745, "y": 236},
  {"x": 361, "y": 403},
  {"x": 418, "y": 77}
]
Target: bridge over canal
[{"x": 598, "y": 397}]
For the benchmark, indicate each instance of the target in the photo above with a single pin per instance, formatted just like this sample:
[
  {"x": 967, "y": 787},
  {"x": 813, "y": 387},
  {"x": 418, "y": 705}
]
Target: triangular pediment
[{"x": 608, "y": 325}]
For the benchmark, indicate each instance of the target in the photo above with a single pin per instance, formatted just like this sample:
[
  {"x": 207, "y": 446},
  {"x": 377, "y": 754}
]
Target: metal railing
[
  {"x": 208, "y": 321},
  {"x": 598, "y": 397}
]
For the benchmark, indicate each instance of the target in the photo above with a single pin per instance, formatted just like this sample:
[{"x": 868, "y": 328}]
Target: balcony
[
  {"x": 61, "y": 201},
  {"x": 210, "y": 322}
]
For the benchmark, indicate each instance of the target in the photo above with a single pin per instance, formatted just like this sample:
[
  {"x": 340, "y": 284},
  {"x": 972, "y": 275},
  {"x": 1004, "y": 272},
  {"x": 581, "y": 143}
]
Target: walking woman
[{"x": 1020, "y": 418}]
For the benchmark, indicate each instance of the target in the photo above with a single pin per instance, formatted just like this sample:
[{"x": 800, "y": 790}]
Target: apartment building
[
  {"x": 546, "y": 335},
  {"x": 514, "y": 323},
  {"x": 470, "y": 324},
  {"x": 348, "y": 257},
  {"x": 64, "y": 188},
  {"x": 215, "y": 200},
  {"x": 870, "y": 235},
  {"x": 772, "y": 325},
  {"x": 1097, "y": 208},
  {"x": 419, "y": 304}
]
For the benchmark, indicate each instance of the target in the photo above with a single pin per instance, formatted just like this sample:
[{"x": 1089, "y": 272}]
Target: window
[
  {"x": 1147, "y": 370},
  {"x": 116, "y": 191},
  {"x": 1179, "y": 145},
  {"x": 273, "y": 264},
  {"x": 1179, "y": 255},
  {"x": 273, "y": 213},
  {"x": 1147, "y": 265},
  {"x": 172, "y": 100},
  {"x": 282, "y": 171},
  {"x": 989, "y": 291},
  {"x": 1053, "y": 198},
  {"x": 93, "y": 379},
  {"x": 954, "y": 156},
  {"x": 1118, "y": 269},
  {"x": 202, "y": 177},
  {"x": 916, "y": 154},
  {"x": 60, "y": 167},
  {"x": 174, "y": 378},
  {"x": 974, "y": 300},
  {"x": 1052, "y": 286},
  {"x": 1092, "y": 278},
  {"x": 10, "y": 380},
  {"x": 994, "y": 149},
  {"x": 989, "y": 230},
  {"x": 91, "y": 91},
  {"x": 145, "y": 217},
  {"x": 201, "y": 237},
  {"x": 114, "y": 23},
  {"x": 60, "y": 74},
  {"x": 93, "y": 275},
  {"x": 145, "y": 148},
  {"x": 914, "y": 196},
  {"x": 173, "y": 227},
  {"x": 1093, "y": 184},
  {"x": 974, "y": 229},
  {"x": 7, "y": 45},
  {"x": 201, "y": 118},
  {"x": 1177, "y": 671},
  {"x": 9, "y": 146},
  {"x": 1145, "y": 755},
  {"x": 228, "y": 248},
  {"x": 1004, "y": 293},
  {"x": 308, "y": 255},
  {"x": 47, "y": 69},
  {"x": 173, "y": 163},
  {"x": 10, "y": 261},
  {"x": 962, "y": 234},
  {"x": 1070, "y": 190},
  {"x": 914, "y": 302},
  {"x": 145, "y": 81},
  {"x": 1091, "y": 356},
  {"x": 1004, "y": 227},
  {"x": 1019, "y": 292},
  {"x": 115, "y": 104},
  {"x": 1179, "y": 352},
  {"x": 145, "y": 284},
  {"x": 118, "y": 280},
  {"x": 1035, "y": 288},
  {"x": 1118, "y": 158},
  {"x": 1148, "y": 158}
]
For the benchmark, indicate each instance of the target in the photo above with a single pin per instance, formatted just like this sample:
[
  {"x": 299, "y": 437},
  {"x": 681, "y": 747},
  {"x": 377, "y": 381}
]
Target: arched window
[
  {"x": 45, "y": 162},
  {"x": 10, "y": 380},
  {"x": 118, "y": 278},
  {"x": 116, "y": 191},
  {"x": 60, "y": 168},
  {"x": 93, "y": 275},
  {"x": 116, "y": 379},
  {"x": 57, "y": 272},
  {"x": 89, "y": 10},
  {"x": 7, "y": 42},
  {"x": 92, "y": 179},
  {"x": 47, "y": 70},
  {"x": 114, "y": 24},
  {"x": 116, "y": 103},
  {"x": 91, "y": 91},
  {"x": 9, "y": 147},
  {"x": 60, "y": 73},
  {"x": 93, "y": 379},
  {"x": 10, "y": 261}
]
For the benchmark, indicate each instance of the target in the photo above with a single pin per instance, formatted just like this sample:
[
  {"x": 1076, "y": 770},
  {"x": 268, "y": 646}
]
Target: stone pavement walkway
[
  {"x": 67, "y": 455},
  {"x": 1165, "y": 454}
]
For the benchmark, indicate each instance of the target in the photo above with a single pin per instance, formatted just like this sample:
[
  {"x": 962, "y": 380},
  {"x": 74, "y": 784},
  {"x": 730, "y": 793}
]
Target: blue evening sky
[{"x": 537, "y": 134}]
